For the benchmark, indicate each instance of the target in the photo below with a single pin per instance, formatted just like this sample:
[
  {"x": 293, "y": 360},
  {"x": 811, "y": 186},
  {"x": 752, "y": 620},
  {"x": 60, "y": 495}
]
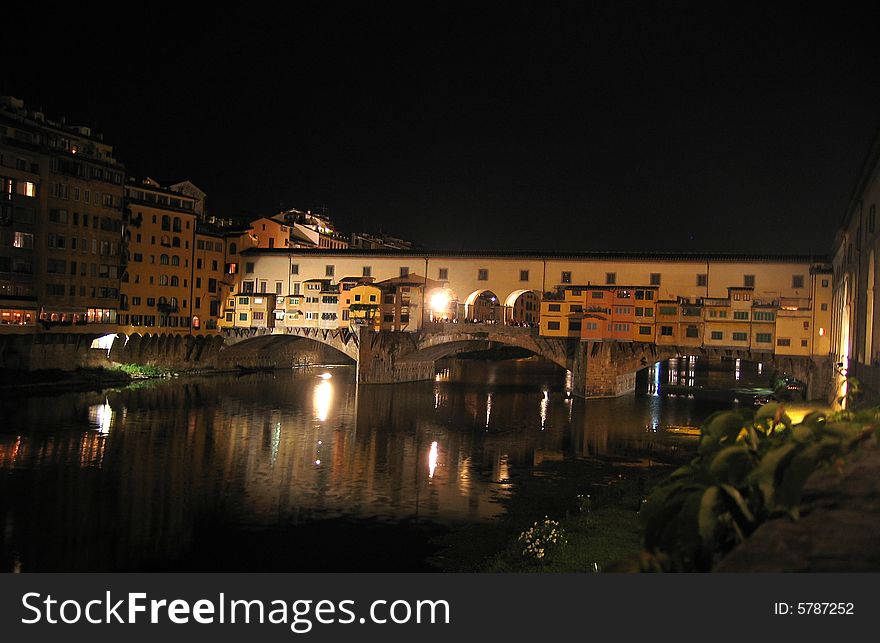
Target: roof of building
[{"x": 588, "y": 255}]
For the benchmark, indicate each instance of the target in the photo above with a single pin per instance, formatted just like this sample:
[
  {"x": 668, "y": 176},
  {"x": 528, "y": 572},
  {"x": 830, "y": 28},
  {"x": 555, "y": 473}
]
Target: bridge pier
[
  {"x": 599, "y": 369},
  {"x": 381, "y": 359}
]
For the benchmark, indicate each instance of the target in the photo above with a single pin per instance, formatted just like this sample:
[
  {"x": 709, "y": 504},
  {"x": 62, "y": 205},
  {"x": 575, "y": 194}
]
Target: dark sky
[{"x": 600, "y": 126}]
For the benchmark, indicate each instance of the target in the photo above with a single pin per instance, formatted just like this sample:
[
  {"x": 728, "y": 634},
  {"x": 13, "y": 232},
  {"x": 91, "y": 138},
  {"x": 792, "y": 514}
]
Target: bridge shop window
[
  {"x": 717, "y": 334},
  {"x": 666, "y": 331},
  {"x": 483, "y": 274},
  {"x": 655, "y": 278},
  {"x": 566, "y": 277},
  {"x": 610, "y": 278},
  {"x": 797, "y": 281},
  {"x": 691, "y": 331},
  {"x": 740, "y": 337},
  {"x": 645, "y": 330},
  {"x": 749, "y": 281},
  {"x": 763, "y": 338},
  {"x": 554, "y": 325},
  {"x": 554, "y": 308},
  {"x": 523, "y": 275},
  {"x": 443, "y": 274},
  {"x": 574, "y": 325}
]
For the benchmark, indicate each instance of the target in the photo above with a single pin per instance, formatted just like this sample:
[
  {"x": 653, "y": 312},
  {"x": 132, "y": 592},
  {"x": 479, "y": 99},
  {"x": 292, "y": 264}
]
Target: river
[{"x": 302, "y": 469}]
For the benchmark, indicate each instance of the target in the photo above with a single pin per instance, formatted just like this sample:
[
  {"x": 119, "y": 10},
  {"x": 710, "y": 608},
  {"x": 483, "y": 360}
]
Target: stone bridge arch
[
  {"x": 387, "y": 357},
  {"x": 456, "y": 338},
  {"x": 284, "y": 346}
]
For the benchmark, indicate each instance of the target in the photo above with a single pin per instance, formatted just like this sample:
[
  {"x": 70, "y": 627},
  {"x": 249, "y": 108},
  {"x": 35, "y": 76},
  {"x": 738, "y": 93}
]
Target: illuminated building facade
[
  {"x": 775, "y": 304},
  {"x": 60, "y": 224},
  {"x": 855, "y": 336},
  {"x": 175, "y": 278}
]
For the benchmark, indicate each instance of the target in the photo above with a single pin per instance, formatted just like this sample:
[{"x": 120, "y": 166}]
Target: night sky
[{"x": 600, "y": 126}]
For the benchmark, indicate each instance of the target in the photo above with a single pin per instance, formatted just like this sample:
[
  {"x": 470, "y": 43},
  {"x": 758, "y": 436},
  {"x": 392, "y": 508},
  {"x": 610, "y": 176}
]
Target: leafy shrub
[{"x": 751, "y": 467}]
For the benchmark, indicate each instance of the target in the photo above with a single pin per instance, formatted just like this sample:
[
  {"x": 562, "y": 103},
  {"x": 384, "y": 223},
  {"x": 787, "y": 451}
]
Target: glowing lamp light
[
  {"x": 439, "y": 302},
  {"x": 325, "y": 376},
  {"x": 821, "y": 332}
]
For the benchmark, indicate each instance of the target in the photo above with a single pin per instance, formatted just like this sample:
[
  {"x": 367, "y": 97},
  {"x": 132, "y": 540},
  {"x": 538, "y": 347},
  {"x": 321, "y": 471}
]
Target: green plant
[
  {"x": 584, "y": 503},
  {"x": 542, "y": 536},
  {"x": 139, "y": 371},
  {"x": 750, "y": 468}
]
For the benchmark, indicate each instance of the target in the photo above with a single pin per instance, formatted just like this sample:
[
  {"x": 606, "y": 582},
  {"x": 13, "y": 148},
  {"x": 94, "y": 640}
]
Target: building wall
[
  {"x": 157, "y": 289},
  {"x": 210, "y": 284},
  {"x": 854, "y": 327},
  {"x": 508, "y": 277},
  {"x": 60, "y": 224}
]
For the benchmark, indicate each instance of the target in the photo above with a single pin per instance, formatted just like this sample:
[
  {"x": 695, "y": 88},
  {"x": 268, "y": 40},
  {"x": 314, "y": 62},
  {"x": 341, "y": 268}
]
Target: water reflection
[
  {"x": 322, "y": 399},
  {"x": 128, "y": 479},
  {"x": 432, "y": 459}
]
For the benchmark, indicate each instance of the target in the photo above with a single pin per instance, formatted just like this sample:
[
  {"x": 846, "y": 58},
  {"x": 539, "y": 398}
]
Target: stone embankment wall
[{"x": 71, "y": 351}]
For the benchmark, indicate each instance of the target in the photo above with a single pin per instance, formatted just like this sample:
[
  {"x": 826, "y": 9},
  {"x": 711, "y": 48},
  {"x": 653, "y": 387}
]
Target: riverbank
[
  {"x": 14, "y": 382},
  {"x": 838, "y": 530},
  {"x": 595, "y": 501}
]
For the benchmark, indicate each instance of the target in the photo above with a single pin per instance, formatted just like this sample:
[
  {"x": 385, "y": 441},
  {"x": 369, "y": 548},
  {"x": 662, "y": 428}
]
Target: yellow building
[
  {"x": 667, "y": 323},
  {"x": 210, "y": 283},
  {"x": 644, "y": 314},
  {"x": 763, "y": 331},
  {"x": 266, "y": 232},
  {"x": 364, "y": 303},
  {"x": 250, "y": 310},
  {"x": 690, "y": 324},
  {"x": 562, "y": 314},
  {"x": 156, "y": 287},
  {"x": 822, "y": 304}
]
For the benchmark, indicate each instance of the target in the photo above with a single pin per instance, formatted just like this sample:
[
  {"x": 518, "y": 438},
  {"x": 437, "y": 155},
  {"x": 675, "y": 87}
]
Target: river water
[{"x": 302, "y": 469}]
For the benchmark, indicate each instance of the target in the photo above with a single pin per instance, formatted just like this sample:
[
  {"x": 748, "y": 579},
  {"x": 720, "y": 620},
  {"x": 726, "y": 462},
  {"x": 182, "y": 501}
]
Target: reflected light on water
[
  {"x": 488, "y": 409},
  {"x": 322, "y": 399},
  {"x": 100, "y": 416},
  {"x": 276, "y": 442},
  {"x": 545, "y": 402},
  {"x": 432, "y": 459}
]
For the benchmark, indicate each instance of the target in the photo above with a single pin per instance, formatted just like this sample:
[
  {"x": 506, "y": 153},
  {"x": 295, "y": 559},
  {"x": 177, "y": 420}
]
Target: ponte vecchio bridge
[{"x": 605, "y": 368}]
